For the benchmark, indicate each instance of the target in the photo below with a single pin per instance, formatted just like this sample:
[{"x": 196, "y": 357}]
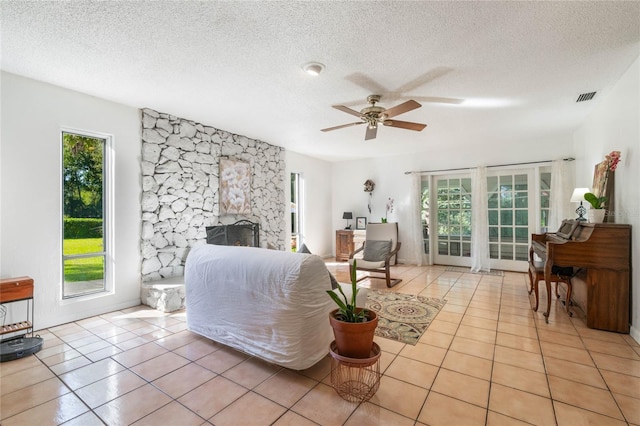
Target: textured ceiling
[{"x": 517, "y": 67}]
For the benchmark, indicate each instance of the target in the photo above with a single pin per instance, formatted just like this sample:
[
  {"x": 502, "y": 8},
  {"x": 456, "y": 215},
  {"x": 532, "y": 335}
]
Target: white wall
[
  {"x": 32, "y": 114},
  {"x": 30, "y": 198},
  {"x": 318, "y": 232},
  {"x": 391, "y": 180},
  {"x": 615, "y": 125}
]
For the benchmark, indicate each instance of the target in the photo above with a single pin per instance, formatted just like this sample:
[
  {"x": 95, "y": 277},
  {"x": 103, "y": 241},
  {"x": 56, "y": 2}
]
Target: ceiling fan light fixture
[
  {"x": 313, "y": 68},
  {"x": 374, "y": 116}
]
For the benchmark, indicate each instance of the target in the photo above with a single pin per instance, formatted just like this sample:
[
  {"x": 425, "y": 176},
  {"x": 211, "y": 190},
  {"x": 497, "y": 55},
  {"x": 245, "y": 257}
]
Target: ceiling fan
[{"x": 374, "y": 115}]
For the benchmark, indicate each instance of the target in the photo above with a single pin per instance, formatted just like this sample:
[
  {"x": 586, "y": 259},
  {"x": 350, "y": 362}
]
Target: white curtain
[
  {"x": 415, "y": 206},
  {"x": 479, "y": 221},
  {"x": 561, "y": 189}
]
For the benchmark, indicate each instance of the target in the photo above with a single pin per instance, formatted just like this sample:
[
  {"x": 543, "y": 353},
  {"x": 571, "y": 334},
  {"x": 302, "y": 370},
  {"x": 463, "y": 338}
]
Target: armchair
[{"x": 379, "y": 252}]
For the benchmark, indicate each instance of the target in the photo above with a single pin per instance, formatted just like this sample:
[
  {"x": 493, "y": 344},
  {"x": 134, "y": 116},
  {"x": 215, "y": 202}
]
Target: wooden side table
[
  {"x": 344, "y": 244},
  {"x": 18, "y": 346},
  {"x": 15, "y": 290}
]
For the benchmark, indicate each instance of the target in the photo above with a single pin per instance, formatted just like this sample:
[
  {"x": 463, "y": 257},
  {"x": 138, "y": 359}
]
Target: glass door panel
[
  {"x": 509, "y": 218},
  {"x": 453, "y": 201}
]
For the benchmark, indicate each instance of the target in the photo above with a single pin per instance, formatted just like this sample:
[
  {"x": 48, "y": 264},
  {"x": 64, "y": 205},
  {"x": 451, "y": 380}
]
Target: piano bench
[{"x": 536, "y": 274}]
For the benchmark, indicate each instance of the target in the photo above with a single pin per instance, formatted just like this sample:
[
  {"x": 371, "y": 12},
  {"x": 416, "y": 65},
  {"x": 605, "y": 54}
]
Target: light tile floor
[{"x": 487, "y": 358}]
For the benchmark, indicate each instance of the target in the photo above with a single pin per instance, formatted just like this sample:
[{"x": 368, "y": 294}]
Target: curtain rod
[{"x": 495, "y": 165}]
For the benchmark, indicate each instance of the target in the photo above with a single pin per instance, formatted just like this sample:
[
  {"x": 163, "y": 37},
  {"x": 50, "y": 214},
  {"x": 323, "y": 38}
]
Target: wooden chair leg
[
  {"x": 568, "y": 302},
  {"x": 391, "y": 281},
  {"x": 546, "y": 314},
  {"x": 534, "y": 284}
]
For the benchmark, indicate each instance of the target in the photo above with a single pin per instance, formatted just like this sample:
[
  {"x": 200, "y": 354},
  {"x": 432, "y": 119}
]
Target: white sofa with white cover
[{"x": 267, "y": 303}]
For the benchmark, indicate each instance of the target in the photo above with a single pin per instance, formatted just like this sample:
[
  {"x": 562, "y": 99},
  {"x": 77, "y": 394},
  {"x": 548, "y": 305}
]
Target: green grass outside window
[{"x": 83, "y": 269}]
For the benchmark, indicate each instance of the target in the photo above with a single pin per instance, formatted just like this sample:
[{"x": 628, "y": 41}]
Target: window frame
[
  {"x": 107, "y": 215},
  {"x": 297, "y": 190}
]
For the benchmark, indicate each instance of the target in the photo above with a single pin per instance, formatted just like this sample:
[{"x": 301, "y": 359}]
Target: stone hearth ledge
[{"x": 166, "y": 294}]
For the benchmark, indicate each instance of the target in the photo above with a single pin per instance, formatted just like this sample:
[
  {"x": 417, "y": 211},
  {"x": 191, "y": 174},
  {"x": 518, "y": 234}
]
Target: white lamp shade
[{"x": 578, "y": 194}]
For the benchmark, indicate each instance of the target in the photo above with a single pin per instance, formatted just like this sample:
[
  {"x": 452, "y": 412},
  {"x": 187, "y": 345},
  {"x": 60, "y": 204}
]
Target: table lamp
[
  {"x": 348, "y": 216},
  {"x": 578, "y": 196}
]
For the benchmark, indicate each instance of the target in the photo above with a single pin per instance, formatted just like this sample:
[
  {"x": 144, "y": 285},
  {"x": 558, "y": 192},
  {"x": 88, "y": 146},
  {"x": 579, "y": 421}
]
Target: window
[
  {"x": 84, "y": 186},
  {"x": 296, "y": 211}
]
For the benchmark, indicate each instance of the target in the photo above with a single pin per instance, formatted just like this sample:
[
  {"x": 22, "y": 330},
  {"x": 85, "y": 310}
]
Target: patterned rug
[{"x": 403, "y": 317}]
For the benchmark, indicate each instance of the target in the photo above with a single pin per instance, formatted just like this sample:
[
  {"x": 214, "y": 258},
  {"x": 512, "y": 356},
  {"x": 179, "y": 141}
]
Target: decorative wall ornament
[
  {"x": 235, "y": 187},
  {"x": 368, "y": 187}
]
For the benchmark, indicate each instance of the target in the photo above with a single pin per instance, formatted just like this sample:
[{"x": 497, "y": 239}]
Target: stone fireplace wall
[{"x": 180, "y": 167}]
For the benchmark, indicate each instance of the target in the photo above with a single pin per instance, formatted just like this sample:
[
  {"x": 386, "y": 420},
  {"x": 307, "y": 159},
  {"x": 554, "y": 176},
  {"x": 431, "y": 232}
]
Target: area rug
[
  {"x": 496, "y": 272},
  {"x": 402, "y": 317}
]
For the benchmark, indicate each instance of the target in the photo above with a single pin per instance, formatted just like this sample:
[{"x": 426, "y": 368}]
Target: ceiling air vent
[{"x": 586, "y": 96}]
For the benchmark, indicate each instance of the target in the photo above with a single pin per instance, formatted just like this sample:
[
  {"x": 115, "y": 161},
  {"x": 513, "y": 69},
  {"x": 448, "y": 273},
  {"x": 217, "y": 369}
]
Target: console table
[
  {"x": 15, "y": 290},
  {"x": 347, "y": 241}
]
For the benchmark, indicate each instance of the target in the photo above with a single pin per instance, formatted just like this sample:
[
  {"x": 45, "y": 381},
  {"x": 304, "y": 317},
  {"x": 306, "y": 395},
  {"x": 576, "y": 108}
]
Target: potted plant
[
  {"x": 353, "y": 327},
  {"x": 597, "y": 212}
]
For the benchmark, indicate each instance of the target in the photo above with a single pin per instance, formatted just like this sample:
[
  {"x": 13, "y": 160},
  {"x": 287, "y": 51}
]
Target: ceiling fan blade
[
  {"x": 371, "y": 133},
  {"x": 347, "y": 110},
  {"x": 439, "y": 100},
  {"x": 404, "y": 125},
  {"x": 402, "y": 108},
  {"x": 328, "y": 129}
]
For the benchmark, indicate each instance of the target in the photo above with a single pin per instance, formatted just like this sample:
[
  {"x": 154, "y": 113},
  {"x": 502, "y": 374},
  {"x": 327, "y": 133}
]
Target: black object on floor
[{"x": 19, "y": 348}]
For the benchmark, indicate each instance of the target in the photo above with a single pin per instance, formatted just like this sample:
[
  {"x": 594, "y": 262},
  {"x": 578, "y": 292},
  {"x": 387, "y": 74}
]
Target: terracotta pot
[{"x": 354, "y": 339}]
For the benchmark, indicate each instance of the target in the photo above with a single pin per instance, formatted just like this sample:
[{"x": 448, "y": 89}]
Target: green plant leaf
[
  {"x": 596, "y": 202},
  {"x": 341, "y": 305},
  {"x": 354, "y": 284},
  {"x": 348, "y": 312}
]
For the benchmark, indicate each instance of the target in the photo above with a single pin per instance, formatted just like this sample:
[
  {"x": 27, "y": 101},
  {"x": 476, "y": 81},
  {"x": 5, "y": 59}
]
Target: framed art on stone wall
[{"x": 235, "y": 187}]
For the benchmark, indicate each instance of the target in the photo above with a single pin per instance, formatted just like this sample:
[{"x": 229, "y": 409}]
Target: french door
[{"x": 513, "y": 207}]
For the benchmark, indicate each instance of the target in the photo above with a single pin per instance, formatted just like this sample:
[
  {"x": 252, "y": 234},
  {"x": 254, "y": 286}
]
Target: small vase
[{"x": 596, "y": 215}]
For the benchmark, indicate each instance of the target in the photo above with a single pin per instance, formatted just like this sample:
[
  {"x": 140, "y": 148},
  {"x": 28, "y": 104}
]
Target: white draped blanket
[{"x": 267, "y": 303}]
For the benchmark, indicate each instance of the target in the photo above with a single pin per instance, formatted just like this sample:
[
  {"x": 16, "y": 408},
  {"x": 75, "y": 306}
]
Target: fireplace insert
[{"x": 241, "y": 233}]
